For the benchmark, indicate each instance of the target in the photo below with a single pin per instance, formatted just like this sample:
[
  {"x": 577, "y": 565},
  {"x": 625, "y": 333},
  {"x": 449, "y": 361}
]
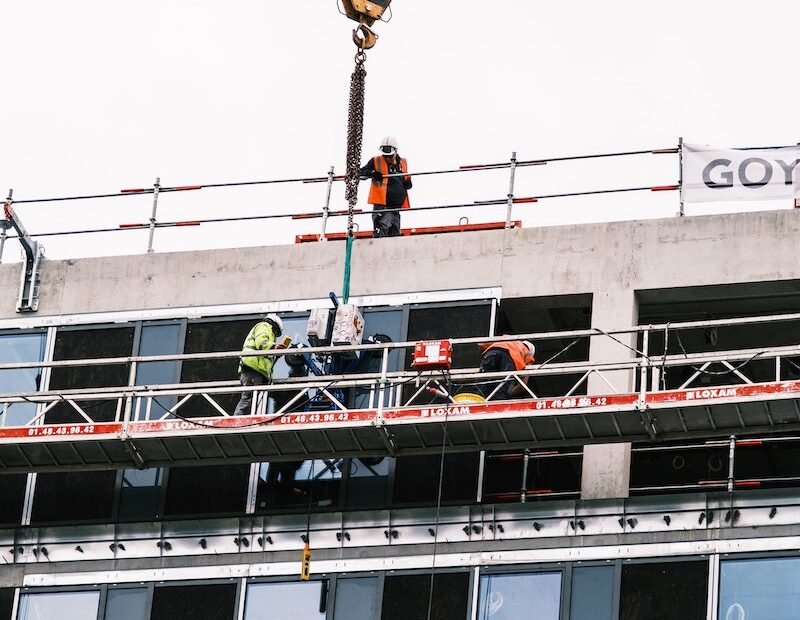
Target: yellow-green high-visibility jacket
[{"x": 260, "y": 338}]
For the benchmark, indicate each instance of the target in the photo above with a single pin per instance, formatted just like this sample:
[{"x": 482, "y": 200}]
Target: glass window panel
[
  {"x": 520, "y": 597},
  {"x": 284, "y": 601},
  {"x": 368, "y": 482},
  {"x": 405, "y": 597},
  {"x": 205, "y": 602},
  {"x": 126, "y": 604},
  {"x": 140, "y": 495},
  {"x": 210, "y": 337},
  {"x": 448, "y": 322},
  {"x": 502, "y": 476},
  {"x": 288, "y": 484},
  {"x": 59, "y": 605},
  {"x": 158, "y": 340},
  {"x": 6, "y": 603},
  {"x": 387, "y": 323},
  {"x": 648, "y": 591},
  {"x": 416, "y": 479},
  {"x": 356, "y": 599},
  {"x": 210, "y": 490},
  {"x": 678, "y": 466},
  {"x": 592, "y": 593},
  {"x": 12, "y": 492},
  {"x": 759, "y": 589},
  {"x": 451, "y": 322},
  {"x": 73, "y": 496},
  {"x": 20, "y": 348},
  {"x": 83, "y": 344}
]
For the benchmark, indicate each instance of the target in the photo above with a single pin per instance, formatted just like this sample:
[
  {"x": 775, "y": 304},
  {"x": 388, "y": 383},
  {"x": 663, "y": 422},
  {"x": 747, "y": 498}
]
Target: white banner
[{"x": 711, "y": 174}]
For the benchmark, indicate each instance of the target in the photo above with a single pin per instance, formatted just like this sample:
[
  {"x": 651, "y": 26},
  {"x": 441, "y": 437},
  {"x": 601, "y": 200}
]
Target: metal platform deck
[{"x": 536, "y": 423}]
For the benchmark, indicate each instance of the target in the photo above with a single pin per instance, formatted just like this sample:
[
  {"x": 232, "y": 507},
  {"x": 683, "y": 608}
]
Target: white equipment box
[
  {"x": 348, "y": 326},
  {"x": 319, "y": 327}
]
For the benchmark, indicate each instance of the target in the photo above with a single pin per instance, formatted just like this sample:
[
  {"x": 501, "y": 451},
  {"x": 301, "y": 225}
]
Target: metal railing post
[
  {"x": 731, "y": 459},
  {"x": 126, "y": 415},
  {"x": 382, "y": 384},
  {"x": 681, "y": 213},
  {"x": 645, "y": 364},
  {"x": 327, "y": 206},
  {"x": 156, "y": 187},
  {"x": 511, "y": 189},
  {"x": 523, "y": 491}
]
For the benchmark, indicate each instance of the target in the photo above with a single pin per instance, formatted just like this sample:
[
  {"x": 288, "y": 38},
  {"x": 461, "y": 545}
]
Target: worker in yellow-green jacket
[{"x": 257, "y": 370}]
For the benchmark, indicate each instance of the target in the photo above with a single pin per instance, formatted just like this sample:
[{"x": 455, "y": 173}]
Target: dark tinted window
[
  {"x": 12, "y": 492},
  {"x": 6, "y": 603},
  {"x": 15, "y": 348},
  {"x": 405, "y": 597},
  {"x": 158, "y": 340},
  {"x": 215, "y": 489},
  {"x": 207, "y": 602},
  {"x": 299, "y": 485},
  {"x": 368, "y": 482},
  {"x": 82, "y": 344},
  {"x": 417, "y": 479},
  {"x": 140, "y": 495},
  {"x": 210, "y": 338},
  {"x": 73, "y": 496},
  {"x": 451, "y": 322},
  {"x": 592, "y": 593},
  {"x": 668, "y": 591},
  {"x": 526, "y": 315},
  {"x": 678, "y": 466},
  {"x": 502, "y": 478},
  {"x": 126, "y": 604}
]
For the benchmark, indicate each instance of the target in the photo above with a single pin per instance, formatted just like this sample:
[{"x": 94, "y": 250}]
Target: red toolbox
[{"x": 433, "y": 355}]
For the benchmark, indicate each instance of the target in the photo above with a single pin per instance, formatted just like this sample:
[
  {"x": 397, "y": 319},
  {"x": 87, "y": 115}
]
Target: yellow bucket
[{"x": 468, "y": 397}]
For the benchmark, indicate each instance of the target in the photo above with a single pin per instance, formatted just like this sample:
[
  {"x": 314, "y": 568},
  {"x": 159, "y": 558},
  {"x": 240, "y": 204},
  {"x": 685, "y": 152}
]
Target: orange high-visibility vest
[
  {"x": 377, "y": 192},
  {"x": 519, "y": 352}
]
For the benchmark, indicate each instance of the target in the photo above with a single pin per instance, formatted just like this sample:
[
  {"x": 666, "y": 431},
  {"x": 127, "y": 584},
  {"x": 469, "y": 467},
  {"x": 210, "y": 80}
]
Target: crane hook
[{"x": 364, "y": 37}]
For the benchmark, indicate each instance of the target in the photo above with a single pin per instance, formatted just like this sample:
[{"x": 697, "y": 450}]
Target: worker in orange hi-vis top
[
  {"x": 506, "y": 357},
  {"x": 387, "y": 193}
]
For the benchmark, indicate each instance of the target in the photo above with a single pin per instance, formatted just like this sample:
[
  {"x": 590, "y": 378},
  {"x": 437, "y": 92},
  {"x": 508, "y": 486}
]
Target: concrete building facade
[{"x": 599, "y": 530}]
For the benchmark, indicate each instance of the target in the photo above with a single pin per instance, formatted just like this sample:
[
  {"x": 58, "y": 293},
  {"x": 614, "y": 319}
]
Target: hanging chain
[{"x": 355, "y": 130}]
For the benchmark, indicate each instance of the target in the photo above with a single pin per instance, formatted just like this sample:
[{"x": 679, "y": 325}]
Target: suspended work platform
[
  {"x": 394, "y": 415},
  {"x": 576, "y": 420}
]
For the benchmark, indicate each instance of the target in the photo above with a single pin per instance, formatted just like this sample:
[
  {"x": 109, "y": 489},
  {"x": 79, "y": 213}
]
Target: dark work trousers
[
  {"x": 497, "y": 360},
  {"x": 249, "y": 377},
  {"x": 385, "y": 224}
]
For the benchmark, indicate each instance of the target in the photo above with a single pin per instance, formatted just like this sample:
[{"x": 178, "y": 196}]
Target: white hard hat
[
  {"x": 531, "y": 348},
  {"x": 275, "y": 319},
  {"x": 391, "y": 143}
]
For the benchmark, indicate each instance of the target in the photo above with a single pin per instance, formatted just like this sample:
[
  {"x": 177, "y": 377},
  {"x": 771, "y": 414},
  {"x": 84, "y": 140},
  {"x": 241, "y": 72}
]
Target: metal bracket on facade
[
  {"x": 388, "y": 439},
  {"x": 28, "y": 299},
  {"x": 648, "y": 422},
  {"x": 131, "y": 449}
]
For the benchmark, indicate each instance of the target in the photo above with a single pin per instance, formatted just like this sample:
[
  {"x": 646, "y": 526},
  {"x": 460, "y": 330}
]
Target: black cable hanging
[{"x": 449, "y": 384}]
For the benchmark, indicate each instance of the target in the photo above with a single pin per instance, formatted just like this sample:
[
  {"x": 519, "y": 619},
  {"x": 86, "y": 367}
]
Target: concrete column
[{"x": 606, "y": 467}]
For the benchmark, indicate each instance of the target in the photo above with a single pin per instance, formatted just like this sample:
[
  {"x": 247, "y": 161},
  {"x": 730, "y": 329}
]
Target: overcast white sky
[{"x": 100, "y": 96}]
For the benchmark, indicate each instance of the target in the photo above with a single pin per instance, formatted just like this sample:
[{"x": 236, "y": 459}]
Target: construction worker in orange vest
[
  {"x": 388, "y": 193},
  {"x": 506, "y": 357}
]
